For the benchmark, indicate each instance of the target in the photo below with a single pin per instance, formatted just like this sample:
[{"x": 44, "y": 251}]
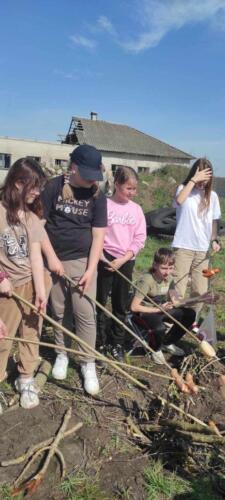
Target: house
[
  {"x": 53, "y": 155},
  {"x": 119, "y": 144},
  {"x": 123, "y": 145}
]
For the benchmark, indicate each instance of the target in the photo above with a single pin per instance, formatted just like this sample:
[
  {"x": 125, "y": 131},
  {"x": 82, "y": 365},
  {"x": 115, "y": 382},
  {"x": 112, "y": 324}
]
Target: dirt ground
[{"x": 115, "y": 445}]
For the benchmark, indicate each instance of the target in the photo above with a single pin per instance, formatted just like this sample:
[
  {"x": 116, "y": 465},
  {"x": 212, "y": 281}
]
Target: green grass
[
  {"x": 178, "y": 173},
  {"x": 202, "y": 489},
  {"x": 5, "y": 493},
  {"x": 163, "y": 486},
  {"x": 82, "y": 487},
  {"x": 114, "y": 445},
  {"x": 145, "y": 257}
]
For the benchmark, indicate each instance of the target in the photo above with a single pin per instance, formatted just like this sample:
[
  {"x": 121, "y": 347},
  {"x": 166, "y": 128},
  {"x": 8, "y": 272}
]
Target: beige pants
[
  {"x": 17, "y": 315},
  {"x": 68, "y": 306},
  {"x": 191, "y": 263}
]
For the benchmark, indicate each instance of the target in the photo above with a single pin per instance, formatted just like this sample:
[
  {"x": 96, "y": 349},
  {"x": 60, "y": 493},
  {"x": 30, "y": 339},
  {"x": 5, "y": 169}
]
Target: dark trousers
[
  {"x": 110, "y": 282},
  {"x": 156, "y": 322}
]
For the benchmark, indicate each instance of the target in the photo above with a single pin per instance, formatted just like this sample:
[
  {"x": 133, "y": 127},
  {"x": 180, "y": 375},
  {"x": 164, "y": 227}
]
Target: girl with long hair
[
  {"x": 159, "y": 285},
  {"x": 125, "y": 237},
  {"x": 21, "y": 268},
  {"x": 197, "y": 211}
]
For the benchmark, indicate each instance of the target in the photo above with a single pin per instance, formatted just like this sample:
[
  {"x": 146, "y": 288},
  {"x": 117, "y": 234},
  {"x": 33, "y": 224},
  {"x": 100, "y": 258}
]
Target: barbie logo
[{"x": 124, "y": 219}]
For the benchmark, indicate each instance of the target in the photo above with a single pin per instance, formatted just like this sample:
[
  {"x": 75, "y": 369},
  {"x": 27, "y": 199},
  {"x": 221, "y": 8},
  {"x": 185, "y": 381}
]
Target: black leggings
[
  {"x": 111, "y": 282},
  {"x": 156, "y": 322}
]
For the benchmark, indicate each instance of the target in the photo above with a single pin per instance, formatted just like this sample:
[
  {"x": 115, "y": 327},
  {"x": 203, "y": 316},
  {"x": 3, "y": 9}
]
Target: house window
[
  {"x": 5, "y": 161},
  {"x": 143, "y": 170},
  {"x": 61, "y": 163},
  {"x": 114, "y": 168},
  {"x": 36, "y": 158}
]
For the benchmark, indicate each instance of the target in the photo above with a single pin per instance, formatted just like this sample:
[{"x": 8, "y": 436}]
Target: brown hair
[
  {"x": 29, "y": 173},
  {"x": 162, "y": 256},
  {"x": 123, "y": 174},
  {"x": 202, "y": 164}
]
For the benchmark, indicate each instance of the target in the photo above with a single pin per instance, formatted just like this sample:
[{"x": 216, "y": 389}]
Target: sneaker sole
[
  {"x": 158, "y": 362},
  {"x": 57, "y": 377},
  {"x": 92, "y": 393},
  {"x": 30, "y": 407}
]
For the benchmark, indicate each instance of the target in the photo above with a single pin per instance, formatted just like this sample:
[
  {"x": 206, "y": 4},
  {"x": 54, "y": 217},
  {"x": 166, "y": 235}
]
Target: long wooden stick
[
  {"x": 55, "y": 442},
  {"x": 127, "y": 375},
  {"x": 152, "y": 301},
  {"x": 32, "y": 484},
  {"x": 84, "y": 344},
  {"x": 109, "y": 313},
  {"x": 86, "y": 355},
  {"x": 207, "y": 298},
  {"x": 36, "y": 447}
]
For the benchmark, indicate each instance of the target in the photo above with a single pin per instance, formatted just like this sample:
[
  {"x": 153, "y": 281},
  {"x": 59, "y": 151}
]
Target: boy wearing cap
[{"x": 76, "y": 218}]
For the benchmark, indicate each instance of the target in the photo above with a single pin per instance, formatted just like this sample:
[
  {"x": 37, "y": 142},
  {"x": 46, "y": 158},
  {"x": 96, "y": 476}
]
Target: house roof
[{"x": 115, "y": 138}]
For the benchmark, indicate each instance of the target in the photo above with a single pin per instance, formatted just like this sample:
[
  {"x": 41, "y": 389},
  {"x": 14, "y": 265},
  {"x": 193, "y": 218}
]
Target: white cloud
[
  {"x": 156, "y": 18},
  {"x": 161, "y": 16},
  {"x": 105, "y": 24},
  {"x": 83, "y": 41}
]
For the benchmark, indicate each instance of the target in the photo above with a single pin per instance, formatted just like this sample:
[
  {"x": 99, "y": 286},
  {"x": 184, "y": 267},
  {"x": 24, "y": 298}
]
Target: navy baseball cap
[{"x": 89, "y": 162}]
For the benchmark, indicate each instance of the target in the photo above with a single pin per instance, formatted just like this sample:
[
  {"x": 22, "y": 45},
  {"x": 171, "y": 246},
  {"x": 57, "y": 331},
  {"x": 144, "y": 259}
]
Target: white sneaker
[
  {"x": 158, "y": 357},
  {"x": 29, "y": 393},
  {"x": 91, "y": 384},
  {"x": 173, "y": 349},
  {"x": 59, "y": 371}
]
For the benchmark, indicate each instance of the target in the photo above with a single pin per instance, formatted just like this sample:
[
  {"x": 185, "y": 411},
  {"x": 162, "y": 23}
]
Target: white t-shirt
[{"x": 194, "y": 229}]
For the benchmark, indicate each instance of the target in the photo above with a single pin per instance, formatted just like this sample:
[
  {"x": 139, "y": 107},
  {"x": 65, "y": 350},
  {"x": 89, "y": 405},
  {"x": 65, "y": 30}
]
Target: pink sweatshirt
[{"x": 126, "y": 228}]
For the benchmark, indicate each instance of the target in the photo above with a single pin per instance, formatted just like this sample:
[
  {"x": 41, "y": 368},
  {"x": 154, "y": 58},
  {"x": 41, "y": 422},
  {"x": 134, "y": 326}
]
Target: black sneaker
[{"x": 118, "y": 352}]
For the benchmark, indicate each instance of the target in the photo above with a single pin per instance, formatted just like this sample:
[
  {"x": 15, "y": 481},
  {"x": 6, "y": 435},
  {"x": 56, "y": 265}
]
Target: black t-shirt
[{"x": 69, "y": 223}]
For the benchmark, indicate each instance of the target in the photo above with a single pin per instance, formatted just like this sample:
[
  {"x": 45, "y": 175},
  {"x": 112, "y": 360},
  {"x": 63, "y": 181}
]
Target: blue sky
[{"x": 156, "y": 65}]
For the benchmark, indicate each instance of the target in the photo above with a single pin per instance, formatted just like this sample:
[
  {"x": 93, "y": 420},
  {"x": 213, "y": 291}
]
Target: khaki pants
[
  {"x": 190, "y": 262},
  {"x": 17, "y": 315},
  {"x": 69, "y": 306}
]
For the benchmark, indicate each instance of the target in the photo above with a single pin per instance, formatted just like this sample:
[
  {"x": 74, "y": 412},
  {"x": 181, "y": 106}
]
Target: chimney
[{"x": 94, "y": 116}]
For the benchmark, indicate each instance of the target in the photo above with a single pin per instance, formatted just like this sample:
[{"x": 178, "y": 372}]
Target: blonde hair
[{"x": 68, "y": 192}]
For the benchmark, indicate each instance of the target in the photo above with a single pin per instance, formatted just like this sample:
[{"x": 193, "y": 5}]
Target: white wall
[
  {"x": 50, "y": 151},
  {"x": 47, "y": 151},
  {"x": 150, "y": 162}
]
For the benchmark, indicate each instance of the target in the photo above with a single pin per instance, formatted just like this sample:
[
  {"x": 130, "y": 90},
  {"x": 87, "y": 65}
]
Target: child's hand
[
  {"x": 175, "y": 298},
  {"x": 55, "y": 265},
  {"x": 3, "y": 330},
  {"x": 215, "y": 246},
  {"x": 167, "y": 305},
  {"x": 41, "y": 302},
  {"x": 86, "y": 281},
  {"x": 202, "y": 175},
  {"x": 117, "y": 263},
  {"x": 6, "y": 287}
]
